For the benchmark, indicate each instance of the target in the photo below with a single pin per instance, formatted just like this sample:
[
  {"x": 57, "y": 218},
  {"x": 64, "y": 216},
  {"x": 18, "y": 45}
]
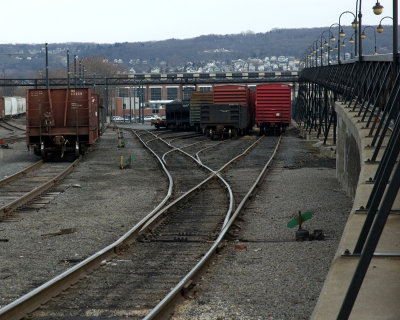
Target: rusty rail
[
  {"x": 165, "y": 304},
  {"x": 21, "y": 173},
  {"x": 45, "y": 292},
  {"x": 37, "y": 191}
]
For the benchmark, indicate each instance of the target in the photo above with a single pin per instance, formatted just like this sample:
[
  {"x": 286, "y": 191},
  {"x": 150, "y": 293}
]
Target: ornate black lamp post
[
  {"x": 363, "y": 36},
  {"x": 342, "y": 34},
  {"x": 379, "y": 28},
  {"x": 378, "y": 10}
]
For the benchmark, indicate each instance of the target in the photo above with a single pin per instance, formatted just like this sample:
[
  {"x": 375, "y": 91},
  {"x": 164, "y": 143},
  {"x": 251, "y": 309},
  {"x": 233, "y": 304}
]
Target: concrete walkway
[{"x": 380, "y": 292}]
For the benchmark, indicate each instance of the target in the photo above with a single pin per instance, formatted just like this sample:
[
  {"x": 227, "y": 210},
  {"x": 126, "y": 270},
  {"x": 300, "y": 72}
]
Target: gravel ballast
[
  {"x": 272, "y": 276},
  {"x": 98, "y": 204},
  {"x": 269, "y": 276},
  {"x": 17, "y": 156}
]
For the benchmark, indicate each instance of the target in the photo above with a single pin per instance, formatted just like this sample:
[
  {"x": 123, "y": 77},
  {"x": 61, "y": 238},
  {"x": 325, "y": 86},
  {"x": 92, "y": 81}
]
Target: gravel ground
[
  {"x": 17, "y": 156},
  {"x": 275, "y": 277},
  {"x": 115, "y": 200}
]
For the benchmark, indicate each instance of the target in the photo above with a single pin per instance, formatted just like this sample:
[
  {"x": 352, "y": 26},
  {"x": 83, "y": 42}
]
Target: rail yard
[{"x": 170, "y": 223}]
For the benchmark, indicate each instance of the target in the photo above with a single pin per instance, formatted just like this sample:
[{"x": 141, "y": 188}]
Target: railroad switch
[{"x": 302, "y": 234}]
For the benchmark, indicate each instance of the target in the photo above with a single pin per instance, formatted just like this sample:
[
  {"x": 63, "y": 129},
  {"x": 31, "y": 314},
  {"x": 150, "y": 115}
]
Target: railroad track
[
  {"x": 13, "y": 139},
  {"x": 10, "y": 127},
  {"x": 14, "y": 136},
  {"x": 18, "y": 190},
  {"x": 165, "y": 250}
]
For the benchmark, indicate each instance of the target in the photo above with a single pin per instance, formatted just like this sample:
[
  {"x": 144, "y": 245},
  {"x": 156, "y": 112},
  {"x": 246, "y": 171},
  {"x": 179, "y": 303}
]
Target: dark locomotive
[{"x": 178, "y": 115}]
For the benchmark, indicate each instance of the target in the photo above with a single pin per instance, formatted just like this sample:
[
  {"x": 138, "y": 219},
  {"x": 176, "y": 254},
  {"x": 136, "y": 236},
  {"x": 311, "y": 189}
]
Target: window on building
[
  {"x": 172, "y": 93},
  {"x": 155, "y": 93},
  {"x": 205, "y": 88},
  {"x": 124, "y": 106},
  {"x": 187, "y": 92},
  {"x": 124, "y": 92}
]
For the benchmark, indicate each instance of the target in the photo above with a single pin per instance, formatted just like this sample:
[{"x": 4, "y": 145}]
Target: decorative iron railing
[{"x": 371, "y": 88}]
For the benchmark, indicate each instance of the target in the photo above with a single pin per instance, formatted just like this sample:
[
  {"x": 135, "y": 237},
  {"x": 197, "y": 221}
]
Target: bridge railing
[
  {"x": 158, "y": 78},
  {"x": 371, "y": 89}
]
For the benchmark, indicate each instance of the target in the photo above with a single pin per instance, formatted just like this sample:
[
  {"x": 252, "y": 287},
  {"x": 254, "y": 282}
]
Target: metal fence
[{"x": 371, "y": 89}]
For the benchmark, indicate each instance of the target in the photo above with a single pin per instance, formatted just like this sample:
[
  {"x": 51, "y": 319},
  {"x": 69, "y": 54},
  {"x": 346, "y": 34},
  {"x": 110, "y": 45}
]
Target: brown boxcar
[
  {"x": 273, "y": 106},
  {"x": 61, "y": 120},
  {"x": 2, "y": 112}
]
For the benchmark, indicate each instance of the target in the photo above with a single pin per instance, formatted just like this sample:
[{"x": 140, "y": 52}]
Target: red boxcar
[
  {"x": 236, "y": 94},
  {"x": 273, "y": 106},
  {"x": 61, "y": 120},
  {"x": 2, "y": 112},
  {"x": 232, "y": 94}
]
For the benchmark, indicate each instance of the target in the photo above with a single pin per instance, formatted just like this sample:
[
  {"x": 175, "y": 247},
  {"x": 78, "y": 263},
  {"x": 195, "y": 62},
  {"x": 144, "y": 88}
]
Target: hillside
[{"x": 26, "y": 60}]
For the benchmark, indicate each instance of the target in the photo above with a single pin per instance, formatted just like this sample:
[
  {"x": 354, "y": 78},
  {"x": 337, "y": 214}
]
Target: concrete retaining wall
[
  {"x": 347, "y": 153},
  {"x": 378, "y": 297}
]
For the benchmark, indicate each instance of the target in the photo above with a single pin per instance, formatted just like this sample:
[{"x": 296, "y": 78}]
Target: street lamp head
[
  {"x": 379, "y": 29},
  {"x": 351, "y": 40},
  {"x": 336, "y": 48},
  {"x": 354, "y": 24},
  {"x": 326, "y": 43},
  {"x": 342, "y": 34},
  {"x": 377, "y": 8},
  {"x": 333, "y": 39},
  {"x": 375, "y": 53},
  {"x": 363, "y": 36},
  {"x": 343, "y": 44},
  {"x": 330, "y": 49}
]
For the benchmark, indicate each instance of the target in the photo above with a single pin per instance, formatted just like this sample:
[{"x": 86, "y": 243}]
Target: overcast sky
[{"x": 109, "y": 21}]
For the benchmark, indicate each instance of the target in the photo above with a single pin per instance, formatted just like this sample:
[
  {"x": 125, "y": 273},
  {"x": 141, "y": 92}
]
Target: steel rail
[
  {"x": 202, "y": 150},
  {"x": 38, "y": 190},
  {"x": 164, "y": 304},
  {"x": 189, "y": 192},
  {"x": 13, "y": 139},
  {"x": 10, "y": 125},
  {"x": 33, "y": 299},
  {"x": 217, "y": 172},
  {"x": 21, "y": 173},
  {"x": 184, "y": 147}
]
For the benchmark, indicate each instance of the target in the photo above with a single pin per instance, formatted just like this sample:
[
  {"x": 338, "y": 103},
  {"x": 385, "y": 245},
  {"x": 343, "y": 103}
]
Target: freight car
[
  {"x": 12, "y": 107},
  {"x": 177, "y": 115},
  {"x": 219, "y": 120},
  {"x": 198, "y": 98},
  {"x": 236, "y": 94},
  {"x": 231, "y": 113},
  {"x": 232, "y": 94},
  {"x": 2, "y": 111},
  {"x": 61, "y": 120},
  {"x": 273, "y": 106}
]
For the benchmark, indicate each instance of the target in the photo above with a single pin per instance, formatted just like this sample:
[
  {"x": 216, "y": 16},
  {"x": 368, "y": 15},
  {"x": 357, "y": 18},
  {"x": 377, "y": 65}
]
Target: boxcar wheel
[
  {"x": 77, "y": 149},
  {"x": 234, "y": 132}
]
